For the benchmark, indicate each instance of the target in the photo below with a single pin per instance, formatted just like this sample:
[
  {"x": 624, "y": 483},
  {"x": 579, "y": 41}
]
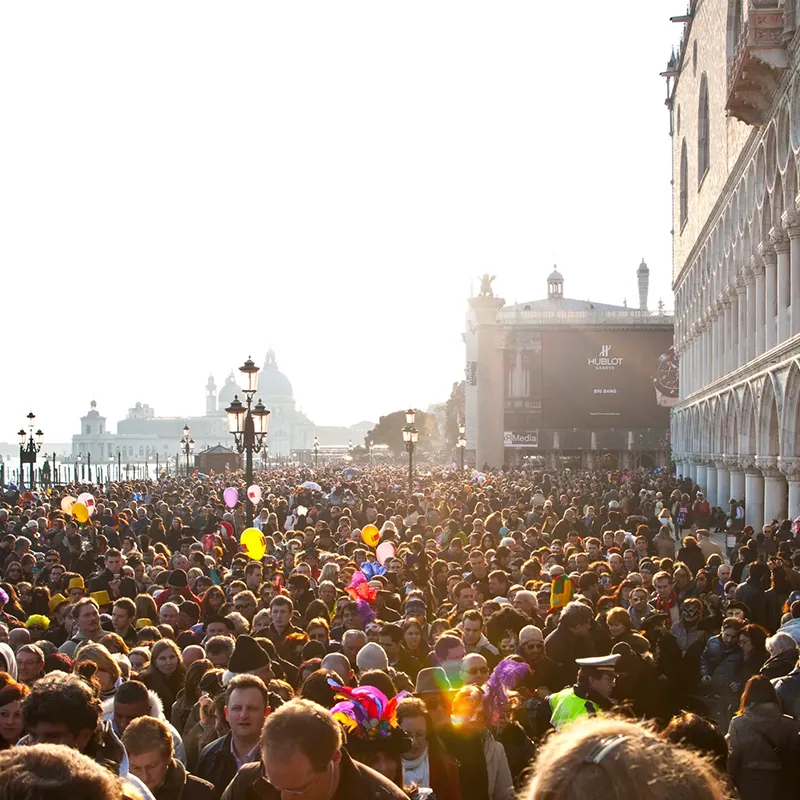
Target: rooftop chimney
[{"x": 643, "y": 279}]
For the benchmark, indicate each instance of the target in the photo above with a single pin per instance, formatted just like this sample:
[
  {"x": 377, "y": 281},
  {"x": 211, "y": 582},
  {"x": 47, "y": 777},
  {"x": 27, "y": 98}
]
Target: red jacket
[{"x": 444, "y": 777}]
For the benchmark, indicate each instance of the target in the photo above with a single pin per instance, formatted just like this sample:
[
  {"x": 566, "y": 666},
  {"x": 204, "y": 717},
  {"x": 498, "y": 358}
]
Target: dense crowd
[{"x": 481, "y": 635}]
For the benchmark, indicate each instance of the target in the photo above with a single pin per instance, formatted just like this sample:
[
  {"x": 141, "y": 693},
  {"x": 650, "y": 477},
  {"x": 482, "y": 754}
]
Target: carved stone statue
[{"x": 486, "y": 285}]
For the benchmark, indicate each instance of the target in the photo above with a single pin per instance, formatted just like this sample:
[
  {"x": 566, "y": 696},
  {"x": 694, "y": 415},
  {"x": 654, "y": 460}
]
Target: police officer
[{"x": 589, "y": 697}]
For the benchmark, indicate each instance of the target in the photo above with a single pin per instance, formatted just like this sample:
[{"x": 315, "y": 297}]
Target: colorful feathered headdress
[
  {"x": 369, "y": 718},
  {"x": 501, "y": 687}
]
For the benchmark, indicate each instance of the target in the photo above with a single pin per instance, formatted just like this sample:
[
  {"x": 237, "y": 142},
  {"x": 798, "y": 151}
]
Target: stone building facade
[
  {"x": 558, "y": 379},
  {"x": 734, "y": 102}
]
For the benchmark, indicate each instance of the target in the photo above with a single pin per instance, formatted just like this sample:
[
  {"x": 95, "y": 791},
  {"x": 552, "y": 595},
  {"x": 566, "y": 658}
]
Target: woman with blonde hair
[
  {"x": 606, "y": 757},
  {"x": 108, "y": 670}
]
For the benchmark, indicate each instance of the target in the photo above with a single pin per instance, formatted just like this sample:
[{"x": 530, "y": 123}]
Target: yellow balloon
[
  {"x": 254, "y": 543},
  {"x": 67, "y": 503},
  {"x": 371, "y": 535},
  {"x": 80, "y": 512}
]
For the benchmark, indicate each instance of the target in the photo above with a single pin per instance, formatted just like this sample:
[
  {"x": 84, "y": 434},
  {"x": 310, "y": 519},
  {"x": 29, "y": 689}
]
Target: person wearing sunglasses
[{"x": 474, "y": 670}]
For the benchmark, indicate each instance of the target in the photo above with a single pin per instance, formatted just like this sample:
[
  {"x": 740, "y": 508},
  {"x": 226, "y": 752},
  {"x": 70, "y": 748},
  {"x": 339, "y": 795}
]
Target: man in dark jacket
[
  {"x": 246, "y": 707},
  {"x": 753, "y": 592},
  {"x": 148, "y": 742},
  {"x": 302, "y": 754},
  {"x": 571, "y": 640}
]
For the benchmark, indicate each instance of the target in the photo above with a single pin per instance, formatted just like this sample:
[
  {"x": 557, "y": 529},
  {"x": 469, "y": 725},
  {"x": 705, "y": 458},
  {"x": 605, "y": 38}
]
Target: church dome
[
  {"x": 228, "y": 392},
  {"x": 555, "y": 275},
  {"x": 272, "y": 383}
]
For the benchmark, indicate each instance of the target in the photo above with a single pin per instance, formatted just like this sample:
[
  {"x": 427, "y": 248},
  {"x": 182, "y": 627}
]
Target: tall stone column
[
  {"x": 708, "y": 357},
  {"x": 790, "y": 467},
  {"x": 714, "y": 373},
  {"x": 757, "y": 266},
  {"x": 775, "y": 500},
  {"x": 734, "y": 344},
  {"x": 490, "y": 383},
  {"x": 767, "y": 252},
  {"x": 753, "y": 494},
  {"x": 791, "y": 222},
  {"x": 748, "y": 320},
  {"x": 711, "y": 481},
  {"x": 693, "y": 470},
  {"x": 723, "y": 484},
  {"x": 700, "y": 473},
  {"x": 780, "y": 241},
  {"x": 737, "y": 478},
  {"x": 741, "y": 323}
]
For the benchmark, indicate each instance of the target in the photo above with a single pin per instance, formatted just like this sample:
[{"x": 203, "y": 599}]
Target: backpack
[{"x": 683, "y": 513}]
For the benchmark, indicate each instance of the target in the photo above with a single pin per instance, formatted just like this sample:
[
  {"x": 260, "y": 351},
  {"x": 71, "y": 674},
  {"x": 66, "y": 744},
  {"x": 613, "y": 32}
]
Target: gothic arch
[
  {"x": 747, "y": 433},
  {"x": 790, "y": 425},
  {"x": 768, "y": 420}
]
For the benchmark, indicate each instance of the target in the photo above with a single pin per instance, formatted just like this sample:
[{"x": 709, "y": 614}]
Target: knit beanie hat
[
  {"x": 530, "y": 633},
  {"x": 177, "y": 579},
  {"x": 372, "y": 656},
  {"x": 247, "y": 656}
]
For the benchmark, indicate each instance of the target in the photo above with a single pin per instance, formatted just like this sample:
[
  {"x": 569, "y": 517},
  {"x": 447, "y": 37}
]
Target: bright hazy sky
[{"x": 186, "y": 183}]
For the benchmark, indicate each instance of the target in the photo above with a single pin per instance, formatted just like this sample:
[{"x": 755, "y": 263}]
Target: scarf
[
  {"x": 417, "y": 771},
  {"x": 666, "y": 606}
]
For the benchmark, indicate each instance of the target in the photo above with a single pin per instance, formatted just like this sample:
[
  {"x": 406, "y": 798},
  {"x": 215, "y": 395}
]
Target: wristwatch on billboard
[{"x": 666, "y": 380}]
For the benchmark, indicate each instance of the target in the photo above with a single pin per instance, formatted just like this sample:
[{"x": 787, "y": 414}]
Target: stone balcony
[{"x": 758, "y": 63}]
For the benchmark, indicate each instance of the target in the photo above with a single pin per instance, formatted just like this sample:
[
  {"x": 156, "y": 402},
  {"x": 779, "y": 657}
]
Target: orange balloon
[{"x": 371, "y": 535}]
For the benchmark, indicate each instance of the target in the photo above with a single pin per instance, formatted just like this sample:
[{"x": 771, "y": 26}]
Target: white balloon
[
  {"x": 254, "y": 494},
  {"x": 88, "y": 500}
]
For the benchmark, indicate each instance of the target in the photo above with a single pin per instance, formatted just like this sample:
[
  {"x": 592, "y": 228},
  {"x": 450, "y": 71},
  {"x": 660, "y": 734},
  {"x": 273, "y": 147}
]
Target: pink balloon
[
  {"x": 230, "y": 496},
  {"x": 384, "y": 552}
]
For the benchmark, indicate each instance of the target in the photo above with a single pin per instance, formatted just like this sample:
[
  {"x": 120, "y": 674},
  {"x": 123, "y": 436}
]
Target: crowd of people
[{"x": 531, "y": 633}]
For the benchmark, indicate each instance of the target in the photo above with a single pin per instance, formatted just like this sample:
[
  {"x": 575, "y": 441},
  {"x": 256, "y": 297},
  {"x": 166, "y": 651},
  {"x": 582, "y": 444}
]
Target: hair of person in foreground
[
  {"x": 53, "y": 772},
  {"x": 618, "y": 760}
]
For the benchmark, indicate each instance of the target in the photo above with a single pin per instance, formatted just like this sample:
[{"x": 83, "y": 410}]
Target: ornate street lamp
[
  {"x": 30, "y": 444},
  {"x": 187, "y": 445},
  {"x": 410, "y": 437},
  {"x": 79, "y": 461},
  {"x": 462, "y": 441},
  {"x": 248, "y": 424},
  {"x": 316, "y": 451}
]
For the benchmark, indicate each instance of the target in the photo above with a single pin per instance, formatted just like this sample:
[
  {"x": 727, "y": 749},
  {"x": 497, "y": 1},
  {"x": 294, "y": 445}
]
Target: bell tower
[{"x": 211, "y": 396}]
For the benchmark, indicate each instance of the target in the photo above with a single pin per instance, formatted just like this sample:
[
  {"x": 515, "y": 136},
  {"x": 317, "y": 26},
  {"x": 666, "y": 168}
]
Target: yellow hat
[
  {"x": 143, "y": 623},
  {"x": 57, "y": 600},
  {"x": 101, "y": 598},
  {"x": 76, "y": 583}
]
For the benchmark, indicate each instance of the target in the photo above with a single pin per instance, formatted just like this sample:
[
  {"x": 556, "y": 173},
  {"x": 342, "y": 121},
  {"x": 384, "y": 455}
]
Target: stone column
[
  {"x": 791, "y": 222},
  {"x": 490, "y": 383},
  {"x": 700, "y": 473},
  {"x": 780, "y": 241},
  {"x": 693, "y": 470},
  {"x": 767, "y": 252},
  {"x": 708, "y": 356},
  {"x": 774, "y": 488},
  {"x": 713, "y": 372},
  {"x": 737, "y": 477},
  {"x": 754, "y": 494},
  {"x": 757, "y": 266},
  {"x": 790, "y": 467},
  {"x": 734, "y": 348},
  {"x": 723, "y": 484},
  {"x": 748, "y": 319},
  {"x": 741, "y": 324},
  {"x": 711, "y": 481}
]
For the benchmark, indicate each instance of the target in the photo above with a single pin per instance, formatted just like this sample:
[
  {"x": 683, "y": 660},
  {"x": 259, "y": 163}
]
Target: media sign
[{"x": 521, "y": 439}]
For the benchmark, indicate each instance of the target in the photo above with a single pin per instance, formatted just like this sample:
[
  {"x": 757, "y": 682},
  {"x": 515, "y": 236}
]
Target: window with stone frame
[
  {"x": 703, "y": 132},
  {"x": 683, "y": 187}
]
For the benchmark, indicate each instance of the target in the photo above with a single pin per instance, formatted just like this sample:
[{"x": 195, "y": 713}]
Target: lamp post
[
  {"x": 79, "y": 461},
  {"x": 248, "y": 424},
  {"x": 110, "y": 466},
  {"x": 316, "y": 451},
  {"x": 350, "y": 448},
  {"x": 89, "y": 465},
  {"x": 188, "y": 446},
  {"x": 410, "y": 437},
  {"x": 30, "y": 444},
  {"x": 119, "y": 466},
  {"x": 462, "y": 441}
]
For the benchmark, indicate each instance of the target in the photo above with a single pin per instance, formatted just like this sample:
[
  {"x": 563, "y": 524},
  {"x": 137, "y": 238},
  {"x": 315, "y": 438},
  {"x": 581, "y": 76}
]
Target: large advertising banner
[{"x": 600, "y": 379}]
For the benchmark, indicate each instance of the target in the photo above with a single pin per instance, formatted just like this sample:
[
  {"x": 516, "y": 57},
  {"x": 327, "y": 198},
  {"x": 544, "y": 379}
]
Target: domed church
[{"x": 289, "y": 428}]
